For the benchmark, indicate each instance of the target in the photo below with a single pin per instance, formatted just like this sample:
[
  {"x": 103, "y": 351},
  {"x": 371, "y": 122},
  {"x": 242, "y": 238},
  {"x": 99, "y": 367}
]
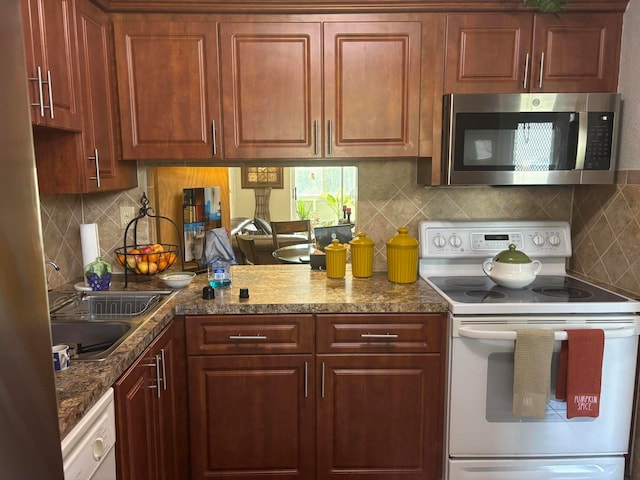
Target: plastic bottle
[{"x": 219, "y": 274}]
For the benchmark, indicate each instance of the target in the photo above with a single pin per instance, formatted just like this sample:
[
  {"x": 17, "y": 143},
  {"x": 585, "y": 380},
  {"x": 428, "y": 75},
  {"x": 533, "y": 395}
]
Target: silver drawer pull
[
  {"x": 379, "y": 335},
  {"x": 247, "y": 337}
]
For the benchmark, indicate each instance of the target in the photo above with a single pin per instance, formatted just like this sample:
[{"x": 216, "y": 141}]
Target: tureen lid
[{"x": 512, "y": 256}]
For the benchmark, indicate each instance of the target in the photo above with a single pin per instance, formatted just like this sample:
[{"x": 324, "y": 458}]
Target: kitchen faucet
[{"x": 53, "y": 264}]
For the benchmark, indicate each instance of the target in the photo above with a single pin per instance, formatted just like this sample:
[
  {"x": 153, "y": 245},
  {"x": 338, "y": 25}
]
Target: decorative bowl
[
  {"x": 177, "y": 279},
  {"x": 147, "y": 259}
]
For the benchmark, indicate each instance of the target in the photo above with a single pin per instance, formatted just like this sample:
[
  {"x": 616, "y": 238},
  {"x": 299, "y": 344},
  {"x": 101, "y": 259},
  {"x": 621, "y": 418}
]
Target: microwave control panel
[{"x": 599, "y": 140}]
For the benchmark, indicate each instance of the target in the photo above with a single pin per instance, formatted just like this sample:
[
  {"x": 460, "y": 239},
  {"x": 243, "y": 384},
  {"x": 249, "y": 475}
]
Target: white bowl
[{"x": 177, "y": 279}]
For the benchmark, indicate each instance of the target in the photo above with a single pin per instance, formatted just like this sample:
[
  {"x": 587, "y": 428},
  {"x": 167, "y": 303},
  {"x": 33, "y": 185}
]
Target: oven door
[{"x": 480, "y": 422}]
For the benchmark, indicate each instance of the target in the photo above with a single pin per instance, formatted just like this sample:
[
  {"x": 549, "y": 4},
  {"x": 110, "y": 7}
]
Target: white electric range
[{"x": 483, "y": 440}]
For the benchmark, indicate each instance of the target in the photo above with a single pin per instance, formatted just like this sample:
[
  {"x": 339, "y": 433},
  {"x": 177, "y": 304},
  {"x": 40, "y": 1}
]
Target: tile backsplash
[
  {"x": 606, "y": 233},
  {"x": 605, "y": 218}
]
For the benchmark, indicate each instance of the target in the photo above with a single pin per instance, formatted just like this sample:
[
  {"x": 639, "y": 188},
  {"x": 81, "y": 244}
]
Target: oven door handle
[{"x": 559, "y": 334}]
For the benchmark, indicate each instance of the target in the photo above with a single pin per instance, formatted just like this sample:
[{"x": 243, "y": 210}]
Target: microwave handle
[
  {"x": 559, "y": 334},
  {"x": 583, "y": 130}
]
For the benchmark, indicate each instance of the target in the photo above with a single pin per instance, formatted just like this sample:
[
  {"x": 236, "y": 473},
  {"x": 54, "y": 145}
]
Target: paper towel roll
[{"x": 90, "y": 242}]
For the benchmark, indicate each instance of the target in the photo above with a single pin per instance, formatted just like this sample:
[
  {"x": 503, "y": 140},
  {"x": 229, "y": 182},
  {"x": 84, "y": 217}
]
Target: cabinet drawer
[
  {"x": 247, "y": 334},
  {"x": 385, "y": 333}
]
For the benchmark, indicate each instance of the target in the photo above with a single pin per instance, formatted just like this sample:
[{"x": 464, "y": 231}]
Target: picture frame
[{"x": 262, "y": 177}]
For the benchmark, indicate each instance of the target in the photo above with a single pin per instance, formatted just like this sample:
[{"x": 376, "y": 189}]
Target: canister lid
[
  {"x": 362, "y": 239},
  {"x": 335, "y": 246},
  {"x": 402, "y": 239}
]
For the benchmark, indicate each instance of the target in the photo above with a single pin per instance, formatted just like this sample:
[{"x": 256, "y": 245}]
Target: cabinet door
[
  {"x": 168, "y": 88},
  {"x": 488, "y": 53},
  {"x": 101, "y": 168},
  {"x": 172, "y": 436},
  {"x": 271, "y": 89},
  {"x": 136, "y": 427},
  {"x": 581, "y": 52},
  {"x": 251, "y": 417},
  {"x": 380, "y": 417},
  {"x": 51, "y": 47},
  {"x": 372, "y": 88}
]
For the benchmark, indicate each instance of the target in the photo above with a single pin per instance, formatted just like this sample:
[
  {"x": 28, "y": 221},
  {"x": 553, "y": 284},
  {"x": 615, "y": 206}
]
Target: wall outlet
[{"x": 126, "y": 215}]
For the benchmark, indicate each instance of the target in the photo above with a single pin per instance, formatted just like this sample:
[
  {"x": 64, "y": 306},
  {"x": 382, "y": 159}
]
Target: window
[{"x": 325, "y": 194}]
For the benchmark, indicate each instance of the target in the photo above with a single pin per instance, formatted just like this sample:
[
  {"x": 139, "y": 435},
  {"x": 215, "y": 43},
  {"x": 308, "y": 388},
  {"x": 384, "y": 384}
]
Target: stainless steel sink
[
  {"x": 94, "y": 324},
  {"x": 90, "y": 340}
]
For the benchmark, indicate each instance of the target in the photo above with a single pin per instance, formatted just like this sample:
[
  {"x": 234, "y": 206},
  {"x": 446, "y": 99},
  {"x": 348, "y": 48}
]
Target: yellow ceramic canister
[
  {"x": 361, "y": 255},
  {"x": 336, "y": 259},
  {"x": 402, "y": 258}
]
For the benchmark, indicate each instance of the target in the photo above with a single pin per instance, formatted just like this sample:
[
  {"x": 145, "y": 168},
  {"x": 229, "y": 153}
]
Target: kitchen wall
[{"x": 388, "y": 199}]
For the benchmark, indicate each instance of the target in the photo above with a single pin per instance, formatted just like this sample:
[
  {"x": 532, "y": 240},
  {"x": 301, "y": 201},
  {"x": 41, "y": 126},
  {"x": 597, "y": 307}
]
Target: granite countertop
[{"x": 273, "y": 289}]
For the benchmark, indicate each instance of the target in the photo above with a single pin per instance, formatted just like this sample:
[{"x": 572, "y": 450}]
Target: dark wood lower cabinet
[
  {"x": 252, "y": 417},
  {"x": 379, "y": 417},
  {"x": 363, "y": 401},
  {"x": 151, "y": 411}
]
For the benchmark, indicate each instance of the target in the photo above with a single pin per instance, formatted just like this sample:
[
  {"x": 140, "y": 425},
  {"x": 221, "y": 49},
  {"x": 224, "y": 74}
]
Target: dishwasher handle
[{"x": 467, "y": 332}]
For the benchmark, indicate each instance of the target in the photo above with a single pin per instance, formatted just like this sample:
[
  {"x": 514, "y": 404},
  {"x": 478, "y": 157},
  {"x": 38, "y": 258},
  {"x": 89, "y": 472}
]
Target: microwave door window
[{"x": 516, "y": 141}]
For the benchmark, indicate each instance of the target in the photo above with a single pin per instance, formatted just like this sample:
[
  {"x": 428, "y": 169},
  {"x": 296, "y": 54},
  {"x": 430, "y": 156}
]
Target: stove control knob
[
  {"x": 455, "y": 241},
  {"x": 439, "y": 241},
  {"x": 554, "y": 240},
  {"x": 538, "y": 240}
]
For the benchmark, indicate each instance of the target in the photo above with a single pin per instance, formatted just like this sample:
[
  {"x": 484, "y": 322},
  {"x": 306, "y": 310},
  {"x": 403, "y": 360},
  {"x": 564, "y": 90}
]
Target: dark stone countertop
[{"x": 273, "y": 289}]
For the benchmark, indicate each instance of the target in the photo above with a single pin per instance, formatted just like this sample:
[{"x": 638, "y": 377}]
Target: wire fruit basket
[{"x": 147, "y": 259}]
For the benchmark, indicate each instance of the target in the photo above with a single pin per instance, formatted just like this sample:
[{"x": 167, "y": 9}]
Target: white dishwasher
[{"x": 88, "y": 451}]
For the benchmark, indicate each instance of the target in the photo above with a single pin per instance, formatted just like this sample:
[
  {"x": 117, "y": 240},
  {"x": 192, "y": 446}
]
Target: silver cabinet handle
[
  {"x": 40, "y": 92},
  {"x": 48, "y": 82},
  {"x": 525, "y": 82},
  {"x": 306, "y": 379},
  {"x": 379, "y": 335},
  {"x": 315, "y": 137},
  {"x": 97, "y": 159},
  {"x": 322, "y": 382},
  {"x": 164, "y": 369},
  {"x": 213, "y": 137},
  {"x": 156, "y": 365},
  {"x": 329, "y": 137},
  {"x": 541, "y": 70},
  {"x": 247, "y": 337}
]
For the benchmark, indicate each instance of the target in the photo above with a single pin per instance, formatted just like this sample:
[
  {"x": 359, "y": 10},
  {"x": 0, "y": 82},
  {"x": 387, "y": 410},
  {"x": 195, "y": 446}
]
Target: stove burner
[
  {"x": 485, "y": 294},
  {"x": 563, "y": 292},
  {"x": 465, "y": 282}
]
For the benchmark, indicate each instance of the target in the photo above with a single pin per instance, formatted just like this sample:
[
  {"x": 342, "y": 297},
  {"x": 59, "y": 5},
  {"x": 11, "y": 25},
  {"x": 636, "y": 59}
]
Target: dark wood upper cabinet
[
  {"x": 271, "y": 89},
  {"x": 103, "y": 169},
  {"x": 52, "y": 66},
  {"x": 514, "y": 53},
  {"x": 274, "y": 79},
  {"x": 72, "y": 162},
  {"x": 372, "y": 88},
  {"x": 168, "y": 88}
]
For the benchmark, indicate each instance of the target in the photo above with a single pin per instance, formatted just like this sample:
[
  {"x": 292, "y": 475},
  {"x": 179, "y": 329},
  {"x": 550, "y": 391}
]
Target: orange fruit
[
  {"x": 162, "y": 264},
  {"x": 121, "y": 259}
]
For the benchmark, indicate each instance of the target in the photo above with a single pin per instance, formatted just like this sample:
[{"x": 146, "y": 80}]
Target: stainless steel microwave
[{"x": 530, "y": 139}]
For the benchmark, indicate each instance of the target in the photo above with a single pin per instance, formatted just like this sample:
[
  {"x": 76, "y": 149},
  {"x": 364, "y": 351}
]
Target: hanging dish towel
[
  {"x": 217, "y": 247},
  {"x": 580, "y": 372},
  {"x": 532, "y": 372}
]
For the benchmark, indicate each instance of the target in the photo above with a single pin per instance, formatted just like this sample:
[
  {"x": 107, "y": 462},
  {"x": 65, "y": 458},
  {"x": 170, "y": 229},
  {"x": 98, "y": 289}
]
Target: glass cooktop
[{"x": 557, "y": 289}]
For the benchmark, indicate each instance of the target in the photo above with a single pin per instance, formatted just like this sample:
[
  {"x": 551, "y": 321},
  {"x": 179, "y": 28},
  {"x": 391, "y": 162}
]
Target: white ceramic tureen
[{"x": 512, "y": 268}]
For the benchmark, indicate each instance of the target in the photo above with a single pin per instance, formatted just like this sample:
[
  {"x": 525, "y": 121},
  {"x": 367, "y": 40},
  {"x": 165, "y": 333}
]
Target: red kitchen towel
[{"x": 583, "y": 374}]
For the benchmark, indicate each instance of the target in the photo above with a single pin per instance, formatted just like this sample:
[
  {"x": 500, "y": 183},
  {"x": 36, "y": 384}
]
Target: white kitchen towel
[
  {"x": 90, "y": 242},
  {"x": 532, "y": 372}
]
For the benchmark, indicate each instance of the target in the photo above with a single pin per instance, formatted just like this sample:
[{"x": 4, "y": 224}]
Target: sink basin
[
  {"x": 94, "y": 324},
  {"x": 90, "y": 340}
]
